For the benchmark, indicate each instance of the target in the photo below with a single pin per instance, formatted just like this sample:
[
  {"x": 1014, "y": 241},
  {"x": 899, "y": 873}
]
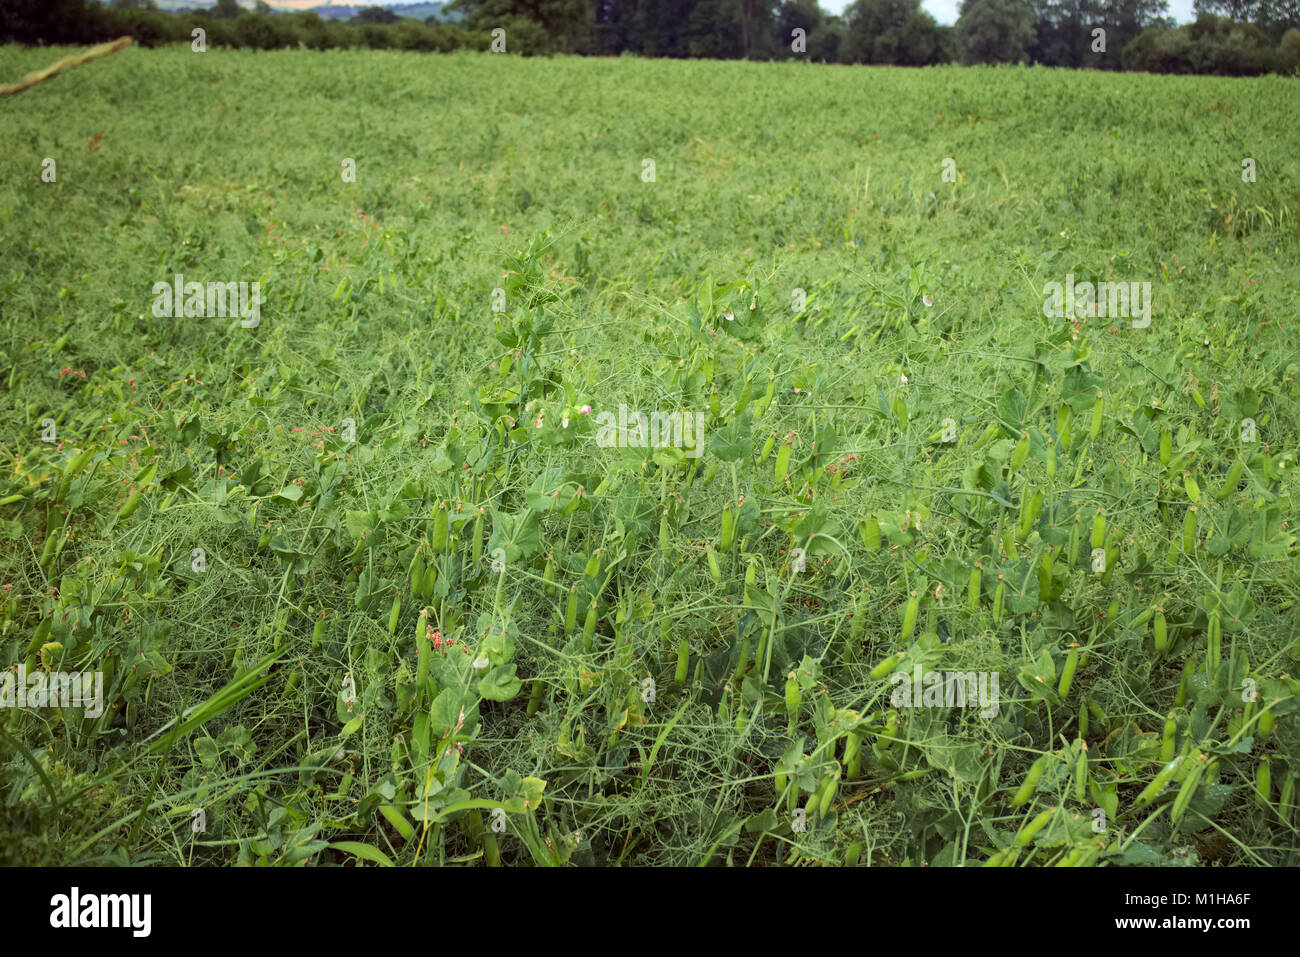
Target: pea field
[{"x": 646, "y": 462}]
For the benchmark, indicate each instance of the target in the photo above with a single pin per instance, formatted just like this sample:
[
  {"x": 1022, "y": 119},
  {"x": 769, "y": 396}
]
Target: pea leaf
[
  {"x": 735, "y": 441},
  {"x": 500, "y": 683}
]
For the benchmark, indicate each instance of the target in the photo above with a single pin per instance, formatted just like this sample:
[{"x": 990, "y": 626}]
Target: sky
[{"x": 945, "y": 11}]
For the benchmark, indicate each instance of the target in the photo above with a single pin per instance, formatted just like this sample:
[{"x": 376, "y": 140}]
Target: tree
[
  {"x": 1288, "y": 53},
  {"x": 376, "y": 15},
  {"x": 227, "y": 9},
  {"x": 876, "y": 28},
  {"x": 713, "y": 30},
  {"x": 42, "y": 21},
  {"x": 1274, "y": 17},
  {"x": 921, "y": 41},
  {"x": 995, "y": 31},
  {"x": 566, "y": 24},
  {"x": 1064, "y": 30},
  {"x": 1210, "y": 45},
  {"x": 1242, "y": 11},
  {"x": 793, "y": 15}
]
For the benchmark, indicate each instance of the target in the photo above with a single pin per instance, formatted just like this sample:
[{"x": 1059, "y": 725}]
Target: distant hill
[{"x": 332, "y": 11}]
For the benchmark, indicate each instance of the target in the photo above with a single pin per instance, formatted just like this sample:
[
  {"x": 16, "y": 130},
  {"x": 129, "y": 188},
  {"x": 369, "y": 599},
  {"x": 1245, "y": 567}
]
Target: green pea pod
[
  {"x": 1094, "y": 429},
  {"x": 589, "y": 626},
  {"x": 728, "y": 530},
  {"x": 1099, "y": 530},
  {"x": 886, "y": 666},
  {"x": 1045, "y": 574},
  {"x": 535, "y": 698},
  {"x": 683, "y": 659},
  {"x": 1009, "y": 544},
  {"x": 1189, "y": 532},
  {"x": 1189, "y": 668},
  {"x": 853, "y": 756},
  {"x": 1157, "y": 784},
  {"x": 782, "y": 463},
  {"x": 909, "y": 616},
  {"x": 132, "y": 503},
  {"x": 870, "y": 531},
  {"x": 1021, "y": 452},
  {"x": 853, "y": 856},
  {"x": 742, "y": 665},
  {"x": 1230, "y": 481},
  {"x": 1214, "y": 646},
  {"x": 997, "y": 601},
  {"x": 1263, "y": 784},
  {"x": 1081, "y": 774},
  {"x": 793, "y": 696},
  {"x": 417, "y": 573},
  {"x": 1169, "y": 740},
  {"x": 392, "y": 614},
  {"x": 746, "y": 393},
  {"x": 828, "y": 797},
  {"x": 761, "y": 406},
  {"x": 973, "y": 590},
  {"x": 714, "y": 568},
  {"x": 1030, "y": 507},
  {"x": 858, "y": 626},
  {"x": 440, "y": 528},
  {"x": 571, "y": 611},
  {"x": 1027, "y": 834},
  {"x": 1067, "y": 672},
  {"x": 1166, "y": 446},
  {"x": 1188, "y": 790},
  {"x": 1160, "y": 630},
  {"x": 1031, "y": 781},
  {"x": 767, "y": 448}
]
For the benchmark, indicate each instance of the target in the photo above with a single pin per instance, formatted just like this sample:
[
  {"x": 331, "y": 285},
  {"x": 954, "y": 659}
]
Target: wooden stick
[{"x": 104, "y": 49}]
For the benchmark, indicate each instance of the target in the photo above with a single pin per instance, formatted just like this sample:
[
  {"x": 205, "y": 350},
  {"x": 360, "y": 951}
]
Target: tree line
[{"x": 1231, "y": 37}]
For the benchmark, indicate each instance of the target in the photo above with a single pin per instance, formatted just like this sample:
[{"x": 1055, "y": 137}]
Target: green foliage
[
  {"x": 995, "y": 31},
  {"x": 1210, "y": 45},
  {"x": 439, "y": 623},
  {"x": 891, "y": 31}
]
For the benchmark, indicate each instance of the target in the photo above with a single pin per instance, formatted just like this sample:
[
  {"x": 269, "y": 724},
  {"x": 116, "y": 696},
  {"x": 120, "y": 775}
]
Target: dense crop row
[{"x": 375, "y": 579}]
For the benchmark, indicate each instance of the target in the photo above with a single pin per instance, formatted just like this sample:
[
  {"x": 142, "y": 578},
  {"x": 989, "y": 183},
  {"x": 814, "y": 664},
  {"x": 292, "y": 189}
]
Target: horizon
[{"x": 944, "y": 11}]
